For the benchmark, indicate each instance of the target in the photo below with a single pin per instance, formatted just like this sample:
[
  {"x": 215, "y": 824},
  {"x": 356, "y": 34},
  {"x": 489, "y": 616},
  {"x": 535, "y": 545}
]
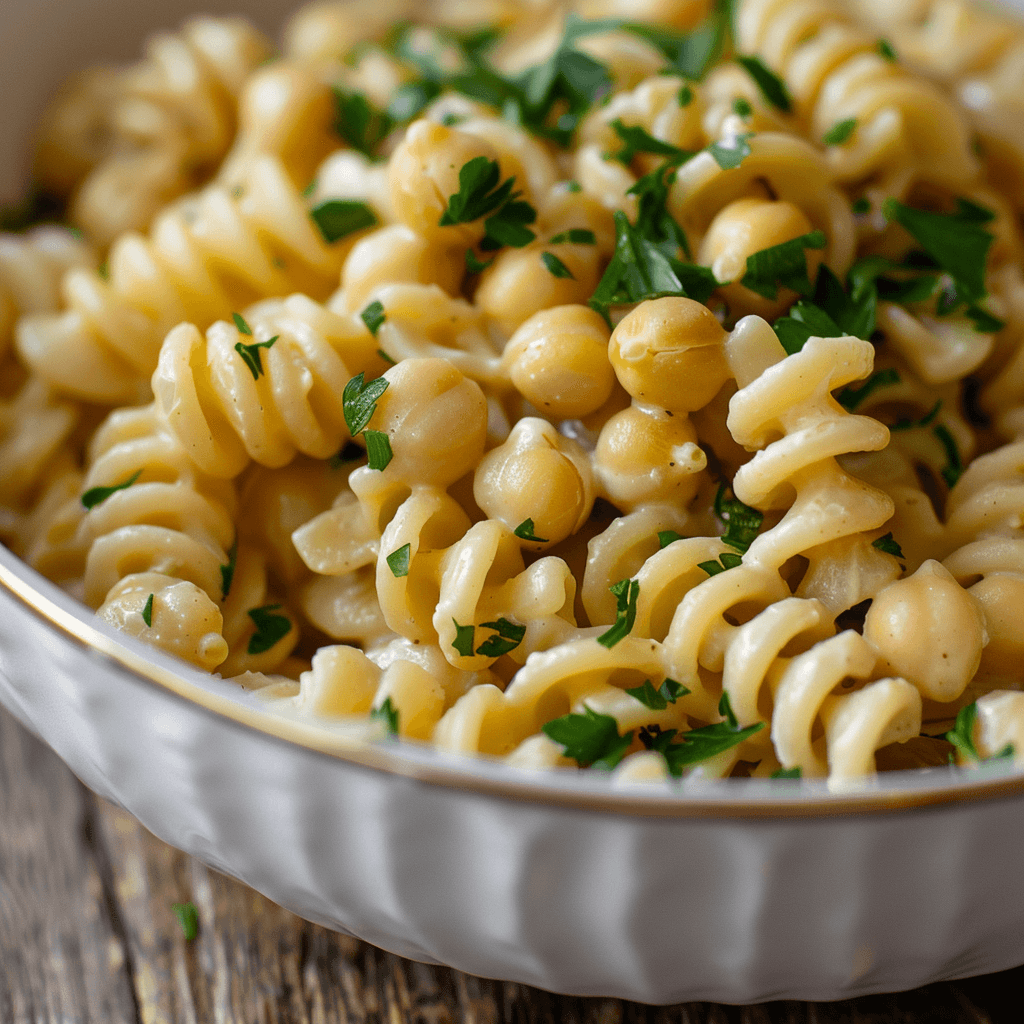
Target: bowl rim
[{"x": 478, "y": 774}]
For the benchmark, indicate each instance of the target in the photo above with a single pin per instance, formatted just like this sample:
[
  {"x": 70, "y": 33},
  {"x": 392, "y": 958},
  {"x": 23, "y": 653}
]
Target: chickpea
[
  {"x": 435, "y": 419},
  {"x": 536, "y": 474},
  {"x": 558, "y": 361},
  {"x": 424, "y": 173},
  {"x": 519, "y": 153},
  {"x": 668, "y": 353},
  {"x": 1001, "y": 596},
  {"x": 396, "y": 254},
  {"x": 929, "y": 630},
  {"x": 519, "y": 283},
  {"x": 742, "y": 228},
  {"x": 644, "y": 455}
]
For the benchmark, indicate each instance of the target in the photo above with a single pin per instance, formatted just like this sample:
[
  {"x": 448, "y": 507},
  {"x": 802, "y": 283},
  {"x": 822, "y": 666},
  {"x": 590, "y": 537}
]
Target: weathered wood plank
[{"x": 87, "y": 933}]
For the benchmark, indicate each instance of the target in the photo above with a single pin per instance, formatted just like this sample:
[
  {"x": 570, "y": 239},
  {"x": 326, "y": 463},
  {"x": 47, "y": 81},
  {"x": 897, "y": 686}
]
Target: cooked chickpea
[
  {"x": 1001, "y": 597},
  {"x": 536, "y": 474},
  {"x": 644, "y": 455},
  {"x": 668, "y": 353},
  {"x": 519, "y": 283},
  {"x": 424, "y": 175},
  {"x": 396, "y": 254},
  {"x": 929, "y": 630},
  {"x": 435, "y": 419},
  {"x": 747, "y": 226},
  {"x": 519, "y": 153},
  {"x": 558, "y": 361}
]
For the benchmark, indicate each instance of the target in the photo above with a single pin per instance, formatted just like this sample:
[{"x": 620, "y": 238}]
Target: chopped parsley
[
  {"x": 250, "y": 354},
  {"x": 862, "y": 205},
  {"x": 270, "y": 628},
  {"x": 741, "y": 522},
  {"x": 731, "y": 153},
  {"x": 337, "y": 218},
  {"x": 95, "y": 495},
  {"x": 592, "y": 740},
  {"x": 954, "y": 467},
  {"x": 626, "y": 593},
  {"x": 840, "y": 132},
  {"x": 398, "y": 561},
  {"x": 464, "y": 639},
  {"x": 887, "y": 50},
  {"x": 578, "y": 236},
  {"x": 962, "y": 736},
  {"x": 772, "y": 87},
  {"x": 784, "y": 264},
  {"x": 147, "y": 612},
  {"x": 387, "y": 714},
  {"x": 727, "y": 560},
  {"x": 849, "y": 398},
  {"x": 359, "y": 401},
  {"x": 555, "y": 266},
  {"x": 832, "y": 312},
  {"x": 359, "y": 123},
  {"x": 482, "y": 194},
  {"x": 685, "y": 96},
  {"x": 787, "y": 773},
  {"x": 241, "y": 324},
  {"x": 188, "y": 919},
  {"x": 742, "y": 107},
  {"x": 888, "y": 545},
  {"x": 378, "y": 449},
  {"x": 658, "y": 699},
  {"x": 475, "y": 265},
  {"x": 227, "y": 572},
  {"x": 666, "y": 537},
  {"x": 507, "y": 637},
  {"x": 386, "y": 357},
  {"x": 524, "y": 531},
  {"x": 925, "y": 421},
  {"x": 636, "y": 139},
  {"x": 373, "y": 316}
]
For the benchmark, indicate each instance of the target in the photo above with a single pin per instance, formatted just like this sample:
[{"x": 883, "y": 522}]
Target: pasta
[{"x": 577, "y": 384}]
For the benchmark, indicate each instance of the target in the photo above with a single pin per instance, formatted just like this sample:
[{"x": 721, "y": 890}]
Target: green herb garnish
[
  {"x": 849, "y": 398},
  {"x": 590, "y": 739},
  {"x": 227, "y": 572},
  {"x": 270, "y": 628},
  {"x": 727, "y": 560},
  {"x": 147, "y": 612},
  {"x": 742, "y": 522},
  {"x": 95, "y": 495},
  {"x": 359, "y": 123},
  {"x": 398, "y": 561},
  {"x": 926, "y": 420},
  {"x": 888, "y": 545},
  {"x": 578, "y": 236},
  {"x": 387, "y": 713},
  {"x": 636, "y": 139},
  {"x": 626, "y": 593},
  {"x": 524, "y": 531},
  {"x": 508, "y": 636},
  {"x": 729, "y": 155},
  {"x": 241, "y": 324},
  {"x": 373, "y": 316},
  {"x": 359, "y": 401},
  {"x": 474, "y": 265},
  {"x": 658, "y": 699},
  {"x": 378, "y": 449},
  {"x": 784, "y": 264},
  {"x": 555, "y": 266},
  {"x": 386, "y": 357},
  {"x": 887, "y": 50},
  {"x": 482, "y": 194},
  {"x": 464, "y": 639},
  {"x": 772, "y": 87},
  {"x": 787, "y": 773},
  {"x": 337, "y": 218},
  {"x": 742, "y": 107},
  {"x": 188, "y": 919},
  {"x": 666, "y": 537},
  {"x": 250, "y": 354},
  {"x": 954, "y": 467}
]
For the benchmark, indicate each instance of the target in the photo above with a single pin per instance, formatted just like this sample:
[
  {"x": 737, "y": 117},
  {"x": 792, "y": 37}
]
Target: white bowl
[{"x": 736, "y": 891}]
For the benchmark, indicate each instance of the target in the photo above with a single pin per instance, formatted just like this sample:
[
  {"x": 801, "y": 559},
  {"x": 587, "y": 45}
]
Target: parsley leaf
[
  {"x": 524, "y": 531},
  {"x": 666, "y": 537},
  {"x": 474, "y": 265},
  {"x": 888, "y": 545},
  {"x": 337, "y": 218},
  {"x": 95, "y": 495},
  {"x": 984, "y": 321},
  {"x": 886, "y": 49},
  {"x": 464, "y": 639},
  {"x": 861, "y": 205},
  {"x": 147, "y": 612},
  {"x": 727, "y": 560},
  {"x": 359, "y": 401},
  {"x": 373, "y": 316},
  {"x": 787, "y": 773},
  {"x": 508, "y": 637},
  {"x": 742, "y": 107},
  {"x": 954, "y": 467},
  {"x": 398, "y": 561},
  {"x": 240, "y": 323},
  {"x": 805, "y": 320},
  {"x": 658, "y": 699},
  {"x": 962, "y": 733},
  {"x": 742, "y": 522},
  {"x": 784, "y": 264},
  {"x": 270, "y": 628},
  {"x": 387, "y": 713},
  {"x": 188, "y": 919},
  {"x": 626, "y": 593},
  {"x": 508, "y": 226},
  {"x": 840, "y": 132},
  {"x": 578, "y": 236},
  {"x": 251, "y": 354},
  {"x": 481, "y": 192},
  {"x": 359, "y": 123},
  {"x": 378, "y": 449},
  {"x": 730, "y": 154},
  {"x": 849, "y": 398},
  {"x": 386, "y": 357},
  {"x": 926, "y": 420},
  {"x": 637, "y": 139},
  {"x": 590, "y": 738},
  {"x": 555, "y": 266},
  {"x": 772, "y": 87},
  {"x": 227, "y": 572}
]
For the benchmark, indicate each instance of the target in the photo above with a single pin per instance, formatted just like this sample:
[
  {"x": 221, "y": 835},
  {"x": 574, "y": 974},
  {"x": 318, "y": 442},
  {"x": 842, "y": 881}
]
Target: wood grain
[{"x": 88, "y": 934}]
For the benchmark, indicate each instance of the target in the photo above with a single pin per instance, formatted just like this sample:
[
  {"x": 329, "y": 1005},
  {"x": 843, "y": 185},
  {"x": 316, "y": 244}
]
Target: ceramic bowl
[{"x": 735, "y": 891}]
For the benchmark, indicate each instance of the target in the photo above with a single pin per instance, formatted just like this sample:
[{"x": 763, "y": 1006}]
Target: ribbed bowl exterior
[{"x": 725, "y": 905}]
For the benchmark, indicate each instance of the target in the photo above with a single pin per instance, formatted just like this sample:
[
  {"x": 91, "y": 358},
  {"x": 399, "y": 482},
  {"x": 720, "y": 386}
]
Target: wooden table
[{"x": 87, "y": 934}]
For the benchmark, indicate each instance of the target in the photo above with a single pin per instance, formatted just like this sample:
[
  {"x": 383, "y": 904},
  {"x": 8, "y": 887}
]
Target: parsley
[
  {"x": 886, "y": 49},
  {"x": 95, "y": 495},
  {"x": 730, "y": 155},
  {"x": 984, "y": 321},
  {"x": 241, "y": 324},
  {"x": 590, "y": 739},
  {"x": 657, "y": 700},
  {"x": 387, "y": 713},
  {"x": 373, "y": 316},
  {"x": 653, "y": 219},
  {"x": 742, "y": 107},
  {"x": 962, "y": 736},
  {"x": 578, "y": 236},
  {"x": 378, "y": 449},
  {"x": 555, "y": 266},
  {"x": 689, "y": 54},
  {"x": 742, "y": 522},
  {"x": 626, "y": 593},
  {"x": 685, "y": 96},
  {"x": 772, "y": 87},
  {"x": 359, "y": 401},
  {"x": 637, "y": 139},
  {"x": 337, "y": 218},
  {"x": 508, "y": 636},
  {"x": 849, "y": 398},
  {"x": 573, "y": 186},
  {"x": 954, "y": 467},
  {"x": 188, "y": 919},
  {"x": 386, "y": 357},
  {"x": 784, "y": 264},
  {"x": 805, "y": 321},
  {"x": 147, "y": 612},
  {"x": 698, "y": 744},
  {"x": 957, "y": 242},
  {"x": 524, "y": 531},
  {"x": 359, "y": 123},
  {"x": 464, "y": 639},
  {"x": 227, "y": 572},
  {"x": 482, "y": 194},
  {"x": 666, "y": 537},
  {"x": 474, "y": 265},
  {"x": 270, "y": 628},
  {"x": 398, "y": 561},
  {"x": 832, "y": 314},
  {"x": 727, "y": 561},
  {"x": 408, "y": 100},
  {"x": 926, "y": 420},
  {"x": 888, "y": 545},
  {"x": 862, "y": 205},
  {"x": 787, "y": 773},
  {"x": 840, "y": 132},
  {"x": 251, "y": 354}
]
